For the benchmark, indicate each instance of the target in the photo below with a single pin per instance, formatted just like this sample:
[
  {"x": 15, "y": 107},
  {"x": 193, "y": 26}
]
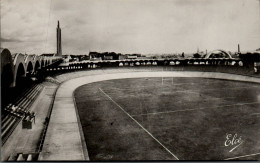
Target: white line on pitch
[
  {"x": 225, "y": 88},
  {"x": 196, "y": 109},
  {"x": 255, "y": 113},
  {"x": 139, "y": 124},
  {"x": 186, "y": 92},
  {"x": 242, "y": 156}
]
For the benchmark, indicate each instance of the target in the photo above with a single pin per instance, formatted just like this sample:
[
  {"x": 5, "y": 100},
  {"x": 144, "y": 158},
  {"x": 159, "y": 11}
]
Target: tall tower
[
  {"x": 238, "y": 49},
  {"x": 59, "y": 50}
]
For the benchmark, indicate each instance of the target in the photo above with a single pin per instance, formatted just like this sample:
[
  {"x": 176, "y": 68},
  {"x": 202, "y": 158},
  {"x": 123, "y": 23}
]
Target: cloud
[
  {"x": 128, "y": 26},
  {"x": 10, "y": 40}
]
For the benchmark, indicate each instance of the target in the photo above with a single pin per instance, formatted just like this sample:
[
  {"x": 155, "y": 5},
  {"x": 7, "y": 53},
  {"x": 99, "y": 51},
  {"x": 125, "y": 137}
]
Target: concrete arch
[
  {"x": 37, "y": 59},
  {"x": 29, "y": 68},
  {"x": 7, "y": 68},
  {"x": 19, "y": 64},
  {"x": 218, "y": 51},
  {"x": 19, "y": 58},
  {"x": 16, "y": 65},
  {"x": 29, "y": 63},
  {"x": 51, "y": 60},
  {"x": 37, "y": 66},
  {"x": 20, "y": 72},
  {"x": 42, "y": 63}
]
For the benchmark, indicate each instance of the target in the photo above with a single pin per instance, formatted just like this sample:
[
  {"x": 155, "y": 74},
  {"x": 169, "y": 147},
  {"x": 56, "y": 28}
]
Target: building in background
[{"x": 59, "y": 49}]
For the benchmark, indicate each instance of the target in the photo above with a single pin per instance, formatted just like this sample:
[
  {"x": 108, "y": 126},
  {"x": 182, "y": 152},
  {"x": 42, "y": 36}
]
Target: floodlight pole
[{"x": 259, "y": 15}]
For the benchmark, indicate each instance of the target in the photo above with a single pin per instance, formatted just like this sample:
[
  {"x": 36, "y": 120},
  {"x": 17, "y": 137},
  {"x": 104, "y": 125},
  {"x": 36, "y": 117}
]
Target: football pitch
[{"x": 170, "y": 119}]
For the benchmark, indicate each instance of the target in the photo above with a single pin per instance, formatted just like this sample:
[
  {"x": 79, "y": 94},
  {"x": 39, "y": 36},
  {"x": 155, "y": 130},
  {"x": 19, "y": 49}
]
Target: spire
[{"x": 59, "y": 50}]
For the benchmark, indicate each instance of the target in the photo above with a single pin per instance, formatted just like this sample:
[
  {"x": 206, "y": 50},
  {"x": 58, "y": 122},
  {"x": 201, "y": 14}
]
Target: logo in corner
[{"x": 233, "y": 141}]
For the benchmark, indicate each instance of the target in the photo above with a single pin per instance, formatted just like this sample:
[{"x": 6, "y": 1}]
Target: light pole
[{"x": 259, "y": 17}]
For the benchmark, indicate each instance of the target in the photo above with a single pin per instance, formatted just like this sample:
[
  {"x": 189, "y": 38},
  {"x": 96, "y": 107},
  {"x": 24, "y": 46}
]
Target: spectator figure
[
  {"x": 255, "y": 69},
  {"x": 26, "y": 115},
  {"x": 182, "y": 55},
  {"x": 13, "y": 108},
  {"x": 32, "y": 116},
  {"x": 46, "y": 120}
]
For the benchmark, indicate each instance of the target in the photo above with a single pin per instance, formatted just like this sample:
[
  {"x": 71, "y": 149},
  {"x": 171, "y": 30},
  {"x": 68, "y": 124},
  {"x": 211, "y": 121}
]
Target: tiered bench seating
[{"x": 15, "y": 112}]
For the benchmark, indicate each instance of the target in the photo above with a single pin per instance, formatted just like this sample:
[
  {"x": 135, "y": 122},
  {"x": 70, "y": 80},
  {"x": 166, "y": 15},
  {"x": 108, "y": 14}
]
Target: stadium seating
[
  {"x": 15, "y": 112},
  {"x": 240, "y": 70},
  {"x": 23, "y": 157}
]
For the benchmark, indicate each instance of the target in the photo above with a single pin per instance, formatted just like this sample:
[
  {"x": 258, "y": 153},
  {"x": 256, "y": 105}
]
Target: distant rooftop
[{"x": 48, "y": 54}]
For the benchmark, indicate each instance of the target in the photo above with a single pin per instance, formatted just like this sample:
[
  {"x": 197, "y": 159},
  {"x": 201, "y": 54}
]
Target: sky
[{"x": 130, "y": 26}]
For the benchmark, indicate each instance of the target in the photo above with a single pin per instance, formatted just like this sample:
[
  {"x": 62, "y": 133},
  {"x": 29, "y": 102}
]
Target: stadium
[
  {"x": 120, "y": 87},
  {"x": 140, "y": 112}
]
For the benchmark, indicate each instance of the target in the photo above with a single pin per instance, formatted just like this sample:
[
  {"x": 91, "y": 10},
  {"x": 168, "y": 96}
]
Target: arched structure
[
  {"x": 29, "y": 63},
  {"x": 18, "y": 66},
  {"x": 7, "y": 68},
  {"x": 32, "y": 64},
  {"x": 20, "y": 74},
  {"x": 42, "y": 63},
  {"x": 29, "y": 68},
  {"x": 218, "y": 51},
  {"x": 37, "y": 66}
]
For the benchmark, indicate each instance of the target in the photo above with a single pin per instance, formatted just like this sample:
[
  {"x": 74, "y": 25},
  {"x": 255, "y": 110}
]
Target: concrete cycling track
[{"x": 64, "y": 136}]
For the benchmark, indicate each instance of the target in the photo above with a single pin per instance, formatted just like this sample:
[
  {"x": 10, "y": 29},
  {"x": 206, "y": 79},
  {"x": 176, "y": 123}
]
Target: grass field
[{"x": 170, "y": 118}]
